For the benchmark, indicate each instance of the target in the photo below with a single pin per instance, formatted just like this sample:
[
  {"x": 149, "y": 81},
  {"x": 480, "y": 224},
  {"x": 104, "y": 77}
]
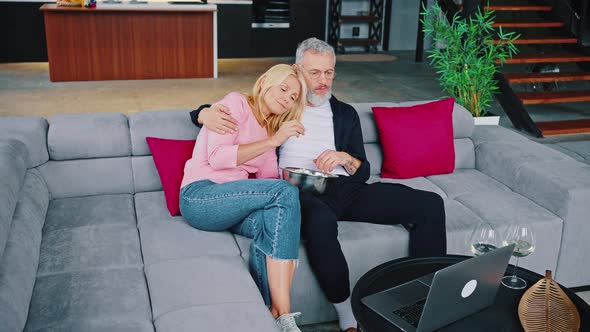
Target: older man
[{"x": 333, "y": 143}]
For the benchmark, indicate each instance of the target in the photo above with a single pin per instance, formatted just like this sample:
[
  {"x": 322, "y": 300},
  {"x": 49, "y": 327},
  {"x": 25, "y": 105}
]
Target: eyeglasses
[{"x": 315, "y": 74}]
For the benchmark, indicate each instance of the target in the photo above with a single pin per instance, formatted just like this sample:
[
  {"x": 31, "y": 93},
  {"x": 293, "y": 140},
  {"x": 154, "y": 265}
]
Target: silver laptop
[{"x": 443, "y": 297}]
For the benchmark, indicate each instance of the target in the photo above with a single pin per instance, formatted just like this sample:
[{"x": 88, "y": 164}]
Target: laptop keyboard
[{"x": 412, "y": 312}]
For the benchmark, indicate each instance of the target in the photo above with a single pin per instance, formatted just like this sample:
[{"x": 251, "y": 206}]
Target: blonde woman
[{"x": 232, "y": 183}]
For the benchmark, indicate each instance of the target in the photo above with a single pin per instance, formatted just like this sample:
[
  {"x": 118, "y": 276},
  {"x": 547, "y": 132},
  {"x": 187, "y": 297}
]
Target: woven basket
[{"x": 546, "y": 308}]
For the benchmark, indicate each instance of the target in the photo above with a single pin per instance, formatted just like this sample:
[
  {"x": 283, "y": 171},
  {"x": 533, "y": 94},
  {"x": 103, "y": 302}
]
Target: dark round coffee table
[{"x": 501, "y": 316}]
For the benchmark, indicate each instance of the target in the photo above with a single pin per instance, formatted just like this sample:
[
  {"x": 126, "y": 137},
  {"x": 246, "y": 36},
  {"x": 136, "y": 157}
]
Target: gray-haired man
[{"x": 333, "y": 143}]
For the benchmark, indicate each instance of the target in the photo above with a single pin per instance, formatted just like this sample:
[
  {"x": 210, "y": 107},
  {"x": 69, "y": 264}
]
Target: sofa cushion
[
  {"x": 90, "y": 233},
  {"x": 13, "y": 156},
  {"x": 82, "y": 136},
  {"x": 169, "y": 157},
  {"x": 89, "y": 247},
  {"x": 460, "y": 223},
  {"x": 168, "y": 238},
  {"x": 90, "y": 211},
  {"x": 464, "y": 153},
  {"x": 150, "y": 207},
  {"x": 465, "y": 182},
  {"x": 364, "y": 245},
  {"x": 174, "y": 240},
  {"x": 86, "y": 177},
  {"x": 244, "y": 317},
  {"x": 419, "y": 183},
  {"x": 112, "y": 324},
  {"x": 111, "y": 299},
  {"x": 30, "y": 130},
  {"x": 18, "y": 264},
  {"x": 375, "y": 157},
  {"x": 145, "y": 174},
  {"x": 90, "y": 259},
  {"x": 167, "y": 124},
  {"x": 416, "y": 140},
  {"x": 193, "y": 282}
]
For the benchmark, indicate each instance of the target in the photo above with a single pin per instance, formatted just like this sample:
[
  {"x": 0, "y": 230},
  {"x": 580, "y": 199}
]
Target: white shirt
[{"x": 319, "y": 137}]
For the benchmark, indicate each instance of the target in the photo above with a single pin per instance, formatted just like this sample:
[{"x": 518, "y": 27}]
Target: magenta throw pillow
[
  {"x": 416, "y": 140},
  {"x": 170, "y": 156}
]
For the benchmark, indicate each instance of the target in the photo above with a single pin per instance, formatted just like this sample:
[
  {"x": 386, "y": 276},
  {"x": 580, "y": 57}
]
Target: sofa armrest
[
  {"x": 501, "y": 153},
  {"x": 13, "y": 159},
  {"x": 32, "y": 131},
  {"x": 563, "y": 187},
  {"x": 552, "y": 180}
]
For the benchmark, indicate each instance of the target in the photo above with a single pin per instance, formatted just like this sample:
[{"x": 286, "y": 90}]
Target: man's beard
[{"x": 317, "y": 100}]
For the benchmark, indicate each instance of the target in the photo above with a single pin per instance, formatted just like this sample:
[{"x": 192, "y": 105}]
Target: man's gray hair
[{"x": 315, "y": 45}]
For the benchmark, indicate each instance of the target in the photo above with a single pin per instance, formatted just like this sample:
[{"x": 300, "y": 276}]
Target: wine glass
[
  {"x": 484, "y": 238},
  {"x": 524, "y": 241}
]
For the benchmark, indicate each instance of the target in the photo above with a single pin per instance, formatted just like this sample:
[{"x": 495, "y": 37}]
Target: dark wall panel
[
  {"x": 23, "y": 33},
  {"x": 233, "y": 31}
]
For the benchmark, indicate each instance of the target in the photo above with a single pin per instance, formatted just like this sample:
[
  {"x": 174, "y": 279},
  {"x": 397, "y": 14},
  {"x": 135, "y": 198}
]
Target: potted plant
[{"x": 466, "y": 56}]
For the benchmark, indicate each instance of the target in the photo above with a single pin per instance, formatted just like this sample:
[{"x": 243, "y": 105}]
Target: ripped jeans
[{"x": 265, "y": 210}]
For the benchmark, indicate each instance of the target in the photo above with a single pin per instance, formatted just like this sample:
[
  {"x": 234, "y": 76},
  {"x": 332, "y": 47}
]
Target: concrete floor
[{"x": 25, "y": 89}]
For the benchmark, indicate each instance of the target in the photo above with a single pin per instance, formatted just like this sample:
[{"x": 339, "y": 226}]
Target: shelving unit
[{"x": 374, "y": 20}]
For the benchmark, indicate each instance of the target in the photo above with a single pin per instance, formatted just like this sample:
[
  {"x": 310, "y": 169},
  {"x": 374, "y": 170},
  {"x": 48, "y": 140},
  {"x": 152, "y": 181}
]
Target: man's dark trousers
[{"x": 379, "y": 203}]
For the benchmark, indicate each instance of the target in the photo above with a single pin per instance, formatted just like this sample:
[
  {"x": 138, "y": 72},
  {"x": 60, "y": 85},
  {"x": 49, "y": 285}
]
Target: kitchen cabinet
[{"x": 130, "y": 42}]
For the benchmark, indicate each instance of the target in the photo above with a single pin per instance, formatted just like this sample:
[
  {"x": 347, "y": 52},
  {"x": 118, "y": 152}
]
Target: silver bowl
[{"x": 307, "y": 180}]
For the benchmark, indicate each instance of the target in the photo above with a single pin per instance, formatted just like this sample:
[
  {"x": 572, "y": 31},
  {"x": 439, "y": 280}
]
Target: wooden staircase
[{"x": 536, "y": 45}]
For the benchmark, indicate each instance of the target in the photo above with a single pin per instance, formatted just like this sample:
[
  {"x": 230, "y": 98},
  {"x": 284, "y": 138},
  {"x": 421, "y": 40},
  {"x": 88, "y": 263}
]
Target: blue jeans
[{"x": 265, "y": 210}]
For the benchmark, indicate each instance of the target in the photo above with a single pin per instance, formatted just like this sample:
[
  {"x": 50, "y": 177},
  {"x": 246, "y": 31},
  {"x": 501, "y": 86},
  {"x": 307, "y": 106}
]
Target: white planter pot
[{"x": 487, "y": 120}]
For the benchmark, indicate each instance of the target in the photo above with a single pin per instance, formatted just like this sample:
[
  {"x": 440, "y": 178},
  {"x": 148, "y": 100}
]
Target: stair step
[
  {"x": 542, "y": 40},
  {"x": 551, "y": 128},
  {"x": 519, "y": 8},
  {"x": 546, "y": 77},
  {"x": 542, "y": 58},
  {"x": 528, "y": 24},
  {"x": 533, "y": 98},
  {"x": 515, "y": 8}
]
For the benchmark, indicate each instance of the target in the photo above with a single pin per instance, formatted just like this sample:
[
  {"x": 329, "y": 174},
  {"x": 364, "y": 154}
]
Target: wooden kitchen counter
[{"x": 131, "y": 41}]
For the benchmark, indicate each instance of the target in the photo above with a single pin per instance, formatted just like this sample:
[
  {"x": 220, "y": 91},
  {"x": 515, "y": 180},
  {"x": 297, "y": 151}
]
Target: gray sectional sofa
[{"x": 87, "y": 244}]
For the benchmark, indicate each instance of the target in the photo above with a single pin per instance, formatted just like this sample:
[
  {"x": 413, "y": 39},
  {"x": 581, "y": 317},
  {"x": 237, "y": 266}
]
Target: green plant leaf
[{"x": 464, "y": 55}]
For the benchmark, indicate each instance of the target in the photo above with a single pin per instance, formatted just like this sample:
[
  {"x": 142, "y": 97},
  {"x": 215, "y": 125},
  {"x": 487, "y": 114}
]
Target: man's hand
[
  {"x": 329, "y": 159},
  {"x": 218, "y": 118},
  {"x": 287, "y": 129}
]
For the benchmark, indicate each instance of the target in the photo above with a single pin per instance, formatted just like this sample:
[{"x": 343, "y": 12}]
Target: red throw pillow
[
  {"x": 170, "y": 156},
  {"x": 416, "y": 140}
]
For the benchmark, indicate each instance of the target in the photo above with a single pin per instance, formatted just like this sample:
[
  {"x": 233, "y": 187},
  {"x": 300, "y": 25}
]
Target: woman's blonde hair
[{"x": 273, "y": 77}]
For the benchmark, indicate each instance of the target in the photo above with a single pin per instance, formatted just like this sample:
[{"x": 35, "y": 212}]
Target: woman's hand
[
  {"x": 217, "y": 118},
  {"x": 287, "y": 129}
]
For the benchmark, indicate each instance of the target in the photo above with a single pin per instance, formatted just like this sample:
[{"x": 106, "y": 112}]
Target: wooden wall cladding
[{"x": 94, "y": 44}]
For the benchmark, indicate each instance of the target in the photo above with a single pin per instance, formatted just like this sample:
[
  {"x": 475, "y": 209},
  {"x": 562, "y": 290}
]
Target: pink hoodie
[{"x": 215, "y": 156}]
